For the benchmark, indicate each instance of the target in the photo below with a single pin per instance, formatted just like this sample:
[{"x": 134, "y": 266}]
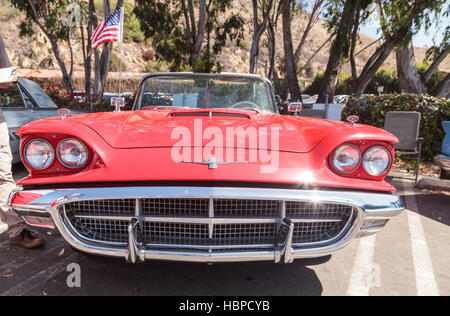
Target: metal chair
[
  {"x": 406, "y": 125},
  {"x": 322, "y": 114}
]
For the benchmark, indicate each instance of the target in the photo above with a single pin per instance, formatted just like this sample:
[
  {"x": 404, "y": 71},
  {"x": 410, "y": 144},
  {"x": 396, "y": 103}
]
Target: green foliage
[
  {"x": 433, "y": 110},
  {"x": 342, "y": 87},
  {"x": 385, "y": 77},
  {"x": 49, "y": 14},
  {"x": 435, "y": 80},
  {"x": 415, "y": 14},
  {"x": 173, "y": 30},
  {"x": 131, "y": 26}
]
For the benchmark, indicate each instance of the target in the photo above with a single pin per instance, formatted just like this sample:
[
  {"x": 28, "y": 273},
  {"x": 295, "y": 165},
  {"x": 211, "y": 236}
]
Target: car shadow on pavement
[
  {"x": 106, "y": 276},
  {"x": 434, "y": 205},
  {"x": 431, "y": 204}
]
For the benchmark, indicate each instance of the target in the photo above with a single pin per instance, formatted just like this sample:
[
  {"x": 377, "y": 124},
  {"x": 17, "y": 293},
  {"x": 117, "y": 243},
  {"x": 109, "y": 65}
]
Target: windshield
[{"x": 205, "y": 92}]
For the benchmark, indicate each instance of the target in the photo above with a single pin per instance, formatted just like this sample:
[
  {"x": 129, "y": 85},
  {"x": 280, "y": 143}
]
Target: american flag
[{"x": 110, "y": 30}]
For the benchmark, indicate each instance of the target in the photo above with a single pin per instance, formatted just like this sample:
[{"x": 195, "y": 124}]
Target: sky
[{"x": 422, "y": 38}]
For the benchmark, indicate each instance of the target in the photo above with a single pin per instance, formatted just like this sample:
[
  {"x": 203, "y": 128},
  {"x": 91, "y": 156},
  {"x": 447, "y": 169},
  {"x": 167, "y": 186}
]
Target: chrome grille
[
  {"x": 209, "y": 223},
  {"x": 178, "y": 207},
  {"x": 244, "y": 234},
  {"x": 316, "y": 210},
  {"x": 125, "y": 207},
  {"x": 316, "y": 232},
  {"x": 246, "y": 208},
  {"x": 175, "y": 233},
  {"x": 112, "y": 231}
]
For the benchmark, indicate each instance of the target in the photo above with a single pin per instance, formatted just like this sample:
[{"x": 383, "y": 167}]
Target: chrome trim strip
[
  {"x": 211, "y": 220},
  {"x": 368, "y": 205}
]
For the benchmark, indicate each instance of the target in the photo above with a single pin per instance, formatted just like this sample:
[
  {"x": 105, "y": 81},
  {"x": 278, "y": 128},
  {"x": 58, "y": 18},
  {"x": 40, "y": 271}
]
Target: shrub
[
  {"x": 433, "y": 110},
  {"x": 149, "y": 54},
  {"x": 343, "y": 85},
  {"x": 385, "y": 77}
]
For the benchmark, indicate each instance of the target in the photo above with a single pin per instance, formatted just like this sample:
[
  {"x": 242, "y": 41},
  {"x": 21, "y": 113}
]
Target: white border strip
[
  {"x": 362, "y": 268},
  {"x": 425, "y": 280}
]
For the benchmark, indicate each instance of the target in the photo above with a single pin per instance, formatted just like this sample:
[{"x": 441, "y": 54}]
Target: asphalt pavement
[{"x": 409, "y": 257}]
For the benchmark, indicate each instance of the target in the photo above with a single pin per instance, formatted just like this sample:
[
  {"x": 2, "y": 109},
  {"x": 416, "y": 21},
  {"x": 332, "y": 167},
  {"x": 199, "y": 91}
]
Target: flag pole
[{"x": 121, "y": 49}]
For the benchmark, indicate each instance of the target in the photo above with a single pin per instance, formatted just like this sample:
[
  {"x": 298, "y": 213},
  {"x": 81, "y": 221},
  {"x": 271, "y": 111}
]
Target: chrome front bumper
[{"x": 373, "y": 210}]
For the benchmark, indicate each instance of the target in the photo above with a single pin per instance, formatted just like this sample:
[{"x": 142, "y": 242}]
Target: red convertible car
[{"x": 205, "y": 169}]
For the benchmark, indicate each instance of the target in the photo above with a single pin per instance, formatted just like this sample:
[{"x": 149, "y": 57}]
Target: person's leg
[
  {"x": 15, "y": 222},
  {"x": 18, "y": 234}
]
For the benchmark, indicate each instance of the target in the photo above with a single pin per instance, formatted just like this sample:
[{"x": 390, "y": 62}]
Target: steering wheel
[{"x": 244, "y": 105}]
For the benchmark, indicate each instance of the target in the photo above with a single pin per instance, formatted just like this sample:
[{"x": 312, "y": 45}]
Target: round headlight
[
  {"x": 72, "y": 153},
  {"x": 346, "y": 159},
  {"x": 377, "y": 161},
  {"x": 39, "y": 154}
]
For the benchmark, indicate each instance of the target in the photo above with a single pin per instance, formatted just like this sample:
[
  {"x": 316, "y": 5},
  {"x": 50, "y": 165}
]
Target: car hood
[{"x": 164, "y": 128}]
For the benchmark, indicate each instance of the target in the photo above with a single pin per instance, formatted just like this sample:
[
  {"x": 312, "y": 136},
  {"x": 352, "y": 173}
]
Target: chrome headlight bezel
[
  {"x": 51, "y": 151},
  {"x": 64, "y": 162},
  {"x": 338, "y": 151},
  {"x": 385, "y": 170}
]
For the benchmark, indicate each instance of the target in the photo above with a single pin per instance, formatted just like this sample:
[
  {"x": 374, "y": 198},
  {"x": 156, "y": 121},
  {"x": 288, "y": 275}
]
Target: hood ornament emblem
[
  {"x": 353, "y": 119},
  {"x": 64, "y": 113},
  {"x": 212, "y": 162}
]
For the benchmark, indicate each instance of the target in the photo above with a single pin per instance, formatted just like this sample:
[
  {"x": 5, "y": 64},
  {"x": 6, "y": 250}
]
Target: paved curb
[{"x": 434, "y": 184}]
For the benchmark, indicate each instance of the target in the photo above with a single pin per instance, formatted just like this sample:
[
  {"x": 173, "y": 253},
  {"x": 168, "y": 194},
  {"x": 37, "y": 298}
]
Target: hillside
[{"x": 35, "y": 52}]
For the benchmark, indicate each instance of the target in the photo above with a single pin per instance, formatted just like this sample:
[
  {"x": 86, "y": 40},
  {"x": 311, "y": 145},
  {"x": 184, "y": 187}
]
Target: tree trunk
[
  {"x": 339, "y": 48},
  {"x": 429, "y": 73},
  {"x": 258, "y": 30},
  {"x": 383, "y": 52},
  {"x": 87, "y": 52},
  {"x": 443, "y": 90},
  {"x": 4, "y": 59},
  {"x": 313, "y": 18},
  {"x": 200, "y": 34},
  {"x": 372, "y": 66},
  {"x": 408, "y": 77},
  {"x": 291, "y": 80}
]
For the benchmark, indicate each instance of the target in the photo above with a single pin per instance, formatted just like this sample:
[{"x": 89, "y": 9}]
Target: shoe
[
  {"x": 3, "y": 228},
  {"x": 27, "y": 239}
]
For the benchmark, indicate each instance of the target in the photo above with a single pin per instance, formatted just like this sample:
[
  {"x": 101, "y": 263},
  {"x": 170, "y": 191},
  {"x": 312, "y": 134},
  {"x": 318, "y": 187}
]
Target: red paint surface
[{"x": 136, "y": 146}]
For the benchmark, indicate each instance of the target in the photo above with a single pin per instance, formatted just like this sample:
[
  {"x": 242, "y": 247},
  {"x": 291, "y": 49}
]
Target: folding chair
[{"x": 406, "y": 125}]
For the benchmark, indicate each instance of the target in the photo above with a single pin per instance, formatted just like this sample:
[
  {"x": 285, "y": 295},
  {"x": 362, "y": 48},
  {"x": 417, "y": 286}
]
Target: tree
[
  {"x": 443, "y": 90},
  {"x": 291, "y": 80},
  {"x": 178, "y": 33},
  {"x": 344, "y": 15},
  {"x": 259, "y": 28},
  {"x": 49, "y": 16},
  {"x": 4, "y": 59},
  {"x": 409, "y": 78},
  {"x": 313, "y": 18},
  {"x": 400, "y": 20},
  {"x": 272, "y": 72}
]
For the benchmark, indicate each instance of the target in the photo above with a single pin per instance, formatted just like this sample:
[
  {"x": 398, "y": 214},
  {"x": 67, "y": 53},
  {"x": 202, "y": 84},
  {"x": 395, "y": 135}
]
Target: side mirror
[
  {"x": 295, "y": 107},
  {"x": 118, "y": 102}
]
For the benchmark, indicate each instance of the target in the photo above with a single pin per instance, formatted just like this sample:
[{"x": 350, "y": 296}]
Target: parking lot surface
[{"x": 409, "y": 257}]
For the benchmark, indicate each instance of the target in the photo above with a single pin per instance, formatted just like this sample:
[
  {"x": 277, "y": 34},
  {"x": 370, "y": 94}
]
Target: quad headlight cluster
[
  {"x": 70, "y": 152},
  {"x": 376, "y": 161}
]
